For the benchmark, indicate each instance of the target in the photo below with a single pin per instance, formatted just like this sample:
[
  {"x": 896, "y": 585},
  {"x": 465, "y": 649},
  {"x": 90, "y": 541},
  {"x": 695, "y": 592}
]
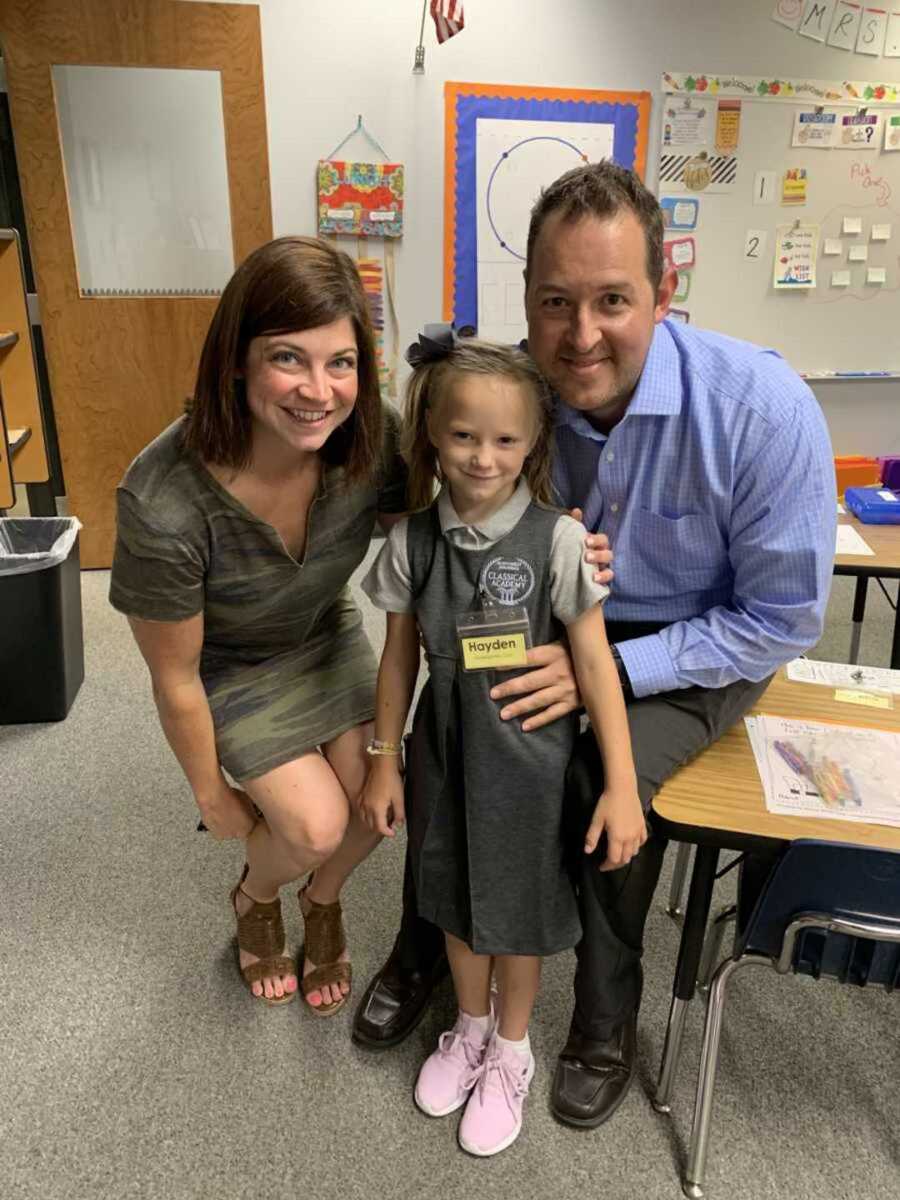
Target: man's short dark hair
[{"x": 602, "y": 190}]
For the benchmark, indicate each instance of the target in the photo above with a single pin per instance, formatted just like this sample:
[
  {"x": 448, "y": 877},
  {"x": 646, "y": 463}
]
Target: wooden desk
[
  {"x": 884, "y": 563},
  {"x": 717, "y": 802}
]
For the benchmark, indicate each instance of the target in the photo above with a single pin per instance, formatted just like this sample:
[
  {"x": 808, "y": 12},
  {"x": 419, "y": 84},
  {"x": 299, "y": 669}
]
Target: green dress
[{"x": 285, "y": 663}]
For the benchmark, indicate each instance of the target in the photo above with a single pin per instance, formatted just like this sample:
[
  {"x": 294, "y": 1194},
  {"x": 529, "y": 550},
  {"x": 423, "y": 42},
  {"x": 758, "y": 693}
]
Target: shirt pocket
[{"x": 679, "y": 554}]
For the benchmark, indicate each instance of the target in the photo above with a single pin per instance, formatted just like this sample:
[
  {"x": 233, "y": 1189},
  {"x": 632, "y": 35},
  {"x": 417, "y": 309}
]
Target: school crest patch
[{"x": 507, "y": 580}]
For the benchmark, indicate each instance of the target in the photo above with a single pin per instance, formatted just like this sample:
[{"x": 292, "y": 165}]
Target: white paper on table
[
  {"x": 848, "y": 541},
  {"x": 852, "y": 225},
  {"x": 841, "y": 509},
  {"x": 876, "y": 275},
  {"x": 833, "y": 246},
  {"x": 881, "y": 233},
  {"x": 840, "y": 278},
  {"x": 863, "y": 762},
  {"x": 844, "y": 675},
  {"x": 858, "y": 253}
]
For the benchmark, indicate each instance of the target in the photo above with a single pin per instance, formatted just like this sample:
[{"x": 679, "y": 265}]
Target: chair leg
[
  {"x": 695, "y": 1170},
  {"x": 675, "y": 908},
  {"x": 712, "y": 947}
]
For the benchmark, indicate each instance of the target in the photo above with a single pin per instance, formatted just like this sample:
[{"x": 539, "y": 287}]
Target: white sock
[
  {"x": 484, "y": 1024},
  {"x": 522, "y": 1048}
]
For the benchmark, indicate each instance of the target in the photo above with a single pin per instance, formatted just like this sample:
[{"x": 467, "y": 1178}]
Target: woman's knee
[{"x": 311, "y": 838}]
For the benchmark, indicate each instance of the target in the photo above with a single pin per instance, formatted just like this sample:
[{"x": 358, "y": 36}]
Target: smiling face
[
  {"x": 301, "y": 386},
  {"x": 592, "y": 310},
  {"x": 483, "y": 429}
]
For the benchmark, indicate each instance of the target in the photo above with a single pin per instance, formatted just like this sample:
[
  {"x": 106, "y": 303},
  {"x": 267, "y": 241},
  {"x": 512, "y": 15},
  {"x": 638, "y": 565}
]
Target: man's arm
[{"x": 781, "y": 548}]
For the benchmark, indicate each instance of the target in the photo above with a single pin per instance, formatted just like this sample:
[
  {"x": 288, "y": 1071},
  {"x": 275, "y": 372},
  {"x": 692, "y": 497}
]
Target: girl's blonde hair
[{"x": 426, "y": 391}]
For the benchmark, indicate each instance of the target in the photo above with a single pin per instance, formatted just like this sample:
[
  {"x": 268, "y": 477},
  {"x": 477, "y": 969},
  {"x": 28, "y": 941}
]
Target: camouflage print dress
[{"x": 285, "y": 662}]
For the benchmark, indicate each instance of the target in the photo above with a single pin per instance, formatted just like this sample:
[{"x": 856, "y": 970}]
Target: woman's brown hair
[
  {"x": 427, "y": 389},
  {"x": 286, "y": 286}
]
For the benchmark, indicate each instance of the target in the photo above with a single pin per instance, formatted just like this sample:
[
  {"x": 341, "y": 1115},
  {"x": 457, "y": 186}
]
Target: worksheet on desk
[
  {"x": 810, "y": 768},
  {"x": 843, "y": 675},
  {"x": 848, "y": 541}
]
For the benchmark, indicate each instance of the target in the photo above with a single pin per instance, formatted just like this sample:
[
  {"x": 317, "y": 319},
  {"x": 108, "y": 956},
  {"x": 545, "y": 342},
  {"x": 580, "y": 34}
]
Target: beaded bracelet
[{"x": 377, "y": 747}]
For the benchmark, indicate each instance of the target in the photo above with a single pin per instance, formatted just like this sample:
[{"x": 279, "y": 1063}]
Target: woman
[{"x": 238, "y": 529}]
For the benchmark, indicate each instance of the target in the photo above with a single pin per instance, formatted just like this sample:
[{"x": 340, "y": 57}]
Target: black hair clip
[{"x": 436, "y": 343}]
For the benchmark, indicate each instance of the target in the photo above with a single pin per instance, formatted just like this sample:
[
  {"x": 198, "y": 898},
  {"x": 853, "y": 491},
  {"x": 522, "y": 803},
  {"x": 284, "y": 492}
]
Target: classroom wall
[{"x": 325, "y": 63}]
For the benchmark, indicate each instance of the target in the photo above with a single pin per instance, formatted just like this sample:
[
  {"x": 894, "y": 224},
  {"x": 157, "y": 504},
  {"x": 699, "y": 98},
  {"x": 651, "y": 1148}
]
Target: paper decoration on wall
[
  {"x": 892, "y": 131},
  {"x": 892, "y": 38},
  {"x": 679, "y": 214},
  {"x": 371, "y": 272},
  {"x": 764, "y": 187},
  {"x": 795, "y": 256},
  {"x": 679, "y": 253},
  {"x": 728, "y": 126},
  {"x": 793, "y": 186},
  {"x": 845, "y": 24},
  {"x": 840, "y": 278},
  {"x": 858, "y": 253},
  {"x": 502, "y": 144},
  {"x": 682, "y": 286},
  {"x": 687, "y": 122},
  {"x": 876, "y": 275},
  {"x": 881, "y": 233},
  {"x": 852, "y": 225},
  {"x": 859, "y": 131},
  {"x": 816, "y": 91},
  {"x": 697, "y": 172},
  {"x": 833, "y": 246},
  {"x": 681, "y": 315},
  {"x": 814, "y": 130},
  {"x": 362, "y": 199}
]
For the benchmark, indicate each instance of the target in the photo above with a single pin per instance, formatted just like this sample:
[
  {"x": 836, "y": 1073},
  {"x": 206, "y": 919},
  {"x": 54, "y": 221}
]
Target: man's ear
[{"x": 665, "y": 292}]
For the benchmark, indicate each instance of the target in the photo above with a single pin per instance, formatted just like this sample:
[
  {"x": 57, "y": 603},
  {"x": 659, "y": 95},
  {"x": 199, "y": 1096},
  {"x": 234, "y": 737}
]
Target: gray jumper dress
[{"x": 484, "y": 800}]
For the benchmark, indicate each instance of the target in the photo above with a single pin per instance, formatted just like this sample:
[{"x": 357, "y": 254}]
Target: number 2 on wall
[{"x": 754, "y": 245}]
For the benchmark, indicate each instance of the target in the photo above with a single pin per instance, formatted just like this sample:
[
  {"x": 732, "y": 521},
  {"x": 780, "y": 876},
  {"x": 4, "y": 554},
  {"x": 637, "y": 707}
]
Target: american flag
[{"x": 448, "y": 18}]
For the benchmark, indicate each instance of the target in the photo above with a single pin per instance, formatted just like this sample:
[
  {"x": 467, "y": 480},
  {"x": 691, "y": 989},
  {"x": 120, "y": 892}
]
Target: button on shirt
[{"x": 717, "y": 492}]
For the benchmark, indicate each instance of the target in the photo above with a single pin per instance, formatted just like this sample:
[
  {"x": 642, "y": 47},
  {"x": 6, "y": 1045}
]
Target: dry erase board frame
[{"x": 822, "y": 331}]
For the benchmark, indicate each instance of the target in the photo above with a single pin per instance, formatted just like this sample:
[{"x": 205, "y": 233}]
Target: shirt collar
[
  {"x": 654, "y": 395},
  {"x": 494, "y": 527}
]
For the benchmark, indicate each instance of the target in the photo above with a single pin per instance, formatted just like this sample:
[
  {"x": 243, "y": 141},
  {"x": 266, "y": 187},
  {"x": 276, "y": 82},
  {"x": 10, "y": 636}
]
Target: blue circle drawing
[{"x": 506, "y": 153}]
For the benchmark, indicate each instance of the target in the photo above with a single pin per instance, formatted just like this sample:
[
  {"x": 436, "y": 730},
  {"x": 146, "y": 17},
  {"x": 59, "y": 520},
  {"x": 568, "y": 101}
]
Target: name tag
[
  {"x": 501, "y": 650},
  {"x": 494, "y": 638}
]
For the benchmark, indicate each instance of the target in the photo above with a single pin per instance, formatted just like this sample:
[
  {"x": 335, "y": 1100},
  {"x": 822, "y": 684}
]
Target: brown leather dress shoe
[
  {"x": 394, "y": 1003},
  {"x": 592, "y": 1078}
]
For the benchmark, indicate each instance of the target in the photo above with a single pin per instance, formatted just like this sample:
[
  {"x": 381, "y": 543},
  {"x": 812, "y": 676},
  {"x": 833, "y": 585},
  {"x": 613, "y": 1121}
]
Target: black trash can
[{"x": 41, "y": 639}]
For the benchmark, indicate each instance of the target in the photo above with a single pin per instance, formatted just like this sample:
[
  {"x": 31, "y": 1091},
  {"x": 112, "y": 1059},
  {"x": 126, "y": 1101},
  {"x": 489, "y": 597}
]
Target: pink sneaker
[
  {"x": 449, "y": 1074},
  {"x": 493, "y": 1116}
]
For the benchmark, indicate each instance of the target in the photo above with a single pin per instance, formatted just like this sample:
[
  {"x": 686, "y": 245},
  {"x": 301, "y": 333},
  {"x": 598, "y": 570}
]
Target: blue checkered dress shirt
[{"x": 717, "y": 492}]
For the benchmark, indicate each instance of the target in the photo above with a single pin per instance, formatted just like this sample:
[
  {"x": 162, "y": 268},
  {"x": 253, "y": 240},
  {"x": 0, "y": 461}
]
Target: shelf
[{"x": 7, "y": 338}]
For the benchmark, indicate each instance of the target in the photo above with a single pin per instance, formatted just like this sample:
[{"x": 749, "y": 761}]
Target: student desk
[
  {"x": 884, "y": 563},
  {"x": 717, "y": 803}
]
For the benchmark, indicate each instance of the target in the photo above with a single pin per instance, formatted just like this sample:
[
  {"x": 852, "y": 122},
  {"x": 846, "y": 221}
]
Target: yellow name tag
[
  {"x": 494, "y": 650},
  {"x": 871, "y": 699}
]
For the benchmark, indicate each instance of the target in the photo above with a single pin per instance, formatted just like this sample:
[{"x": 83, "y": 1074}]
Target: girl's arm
[
  {"x": 381, "y": 803},
  {"x": 171, "y": 650},
  {"x": 618, "y": 811}
]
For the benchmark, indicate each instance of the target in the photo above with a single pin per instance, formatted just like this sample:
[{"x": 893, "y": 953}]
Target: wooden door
[{"x": 121, "y": 368}]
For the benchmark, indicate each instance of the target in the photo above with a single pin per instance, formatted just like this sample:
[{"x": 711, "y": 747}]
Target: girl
[{"x": 485, "y": 571}]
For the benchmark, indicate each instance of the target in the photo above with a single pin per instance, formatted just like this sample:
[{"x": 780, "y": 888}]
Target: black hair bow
[{"x": 434, "y": 344}]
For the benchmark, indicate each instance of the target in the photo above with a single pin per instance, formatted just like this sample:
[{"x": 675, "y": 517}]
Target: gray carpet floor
[{"x": 134, "y": 1064}]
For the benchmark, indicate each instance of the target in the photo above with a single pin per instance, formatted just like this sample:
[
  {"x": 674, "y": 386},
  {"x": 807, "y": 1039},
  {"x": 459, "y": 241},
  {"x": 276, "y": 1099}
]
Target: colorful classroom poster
[
  {"x": 679, "y": 214},
  {"x": 682, "y": 286},
  {"x": 360, "y": 198},
  {"x": 680, "y": 252},
  {"x": 728, "y": 126},
  {"x": 859, "y": 131},
  {"x": 814, "y": 130},
  {"x": 697, "y": 172},
  {"x": 687, "y": 122},
  {"x": 793, "y": 186},
  {"x": 795, "y": 256},
  {"x": 892, "y": 131}
]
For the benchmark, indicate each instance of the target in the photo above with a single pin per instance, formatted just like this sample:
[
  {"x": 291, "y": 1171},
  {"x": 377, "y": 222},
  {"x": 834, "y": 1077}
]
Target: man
[{"x": 707, "y": 463}]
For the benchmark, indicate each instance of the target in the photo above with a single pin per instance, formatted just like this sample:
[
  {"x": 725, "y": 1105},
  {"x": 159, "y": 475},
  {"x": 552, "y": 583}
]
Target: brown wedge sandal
[
  {"x": 260, "y": 931},
  {"x": 324, "y": 944}
]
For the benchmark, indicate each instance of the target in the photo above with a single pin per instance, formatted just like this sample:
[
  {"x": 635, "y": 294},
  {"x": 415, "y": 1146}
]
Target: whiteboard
[{"x": 823, "y": 330}]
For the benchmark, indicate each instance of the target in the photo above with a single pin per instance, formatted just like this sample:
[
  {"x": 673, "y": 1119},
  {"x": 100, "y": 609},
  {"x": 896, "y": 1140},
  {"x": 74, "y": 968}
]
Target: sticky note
[
  {"x": 852, "y": 224},
  {"x": 881, "y": 233},
  {"x": 840, "y": 278},
  {"x": 832, "y": 246},
  {"x": 858, "y": 253},
  {"x": 876, "y": 275},
  {"x": 870, "y": 699}
]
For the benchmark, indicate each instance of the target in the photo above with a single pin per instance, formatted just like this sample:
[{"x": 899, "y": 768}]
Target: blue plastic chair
[{"x": 827, "y": 909}]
